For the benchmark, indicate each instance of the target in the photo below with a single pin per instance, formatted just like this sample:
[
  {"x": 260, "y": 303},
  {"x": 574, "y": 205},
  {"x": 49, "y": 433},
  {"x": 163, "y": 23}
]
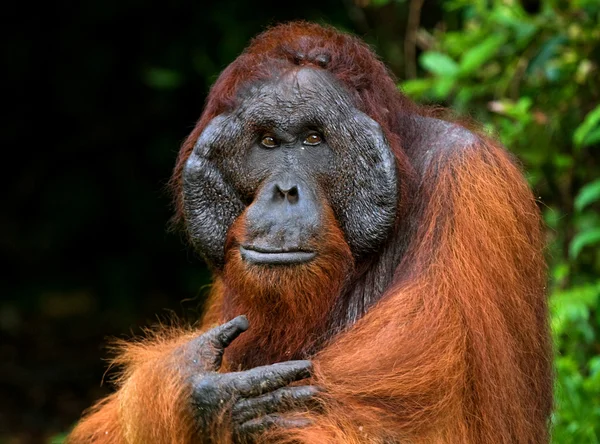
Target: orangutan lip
[{"x": 262, "y": 256}]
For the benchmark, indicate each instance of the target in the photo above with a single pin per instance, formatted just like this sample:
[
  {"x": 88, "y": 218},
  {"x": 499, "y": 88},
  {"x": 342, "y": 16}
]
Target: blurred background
[{"x": 100, "y": 94}]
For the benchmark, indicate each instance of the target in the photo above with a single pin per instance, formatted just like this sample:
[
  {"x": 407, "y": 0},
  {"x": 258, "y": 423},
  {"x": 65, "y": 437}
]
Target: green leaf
[
  {"x": 582, "y": 240},
  {"x": 589, "y": 127},
  {"x": 592, "y": 137},
  {"x": 560, "y": 272},
  {"x": 475, "y": 57},
  {"x": 571, "y": 307},
  {"x": 58, "y": 439},
  {"x": 416, "y": 87},
  {"x": 442, "y": 87},
  {"x": 594, "y": 365},
  {"x": 588, "y": 194},
  {"x": 439, "y": 64}
]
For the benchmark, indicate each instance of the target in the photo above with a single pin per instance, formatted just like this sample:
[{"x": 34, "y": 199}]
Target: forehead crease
[
  {"x": 308, "y": 84},
  {"x": 295, "y": 97}
]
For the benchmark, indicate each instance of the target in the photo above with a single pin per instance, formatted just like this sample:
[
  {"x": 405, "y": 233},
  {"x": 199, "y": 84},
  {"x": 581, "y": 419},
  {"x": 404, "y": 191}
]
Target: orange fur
[
  {"x": 299, "y": 299},
  {"x": 151, "y": 405},
  {"x": 449, "y": 341}
]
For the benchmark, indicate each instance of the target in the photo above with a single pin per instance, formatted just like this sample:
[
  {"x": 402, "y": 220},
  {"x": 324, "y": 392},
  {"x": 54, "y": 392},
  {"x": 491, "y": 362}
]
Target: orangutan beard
[{"x": 287, "y": 305}]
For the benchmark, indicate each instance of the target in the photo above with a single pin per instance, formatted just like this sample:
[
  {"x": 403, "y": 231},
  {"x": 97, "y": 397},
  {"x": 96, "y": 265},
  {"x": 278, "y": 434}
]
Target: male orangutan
[{"x": 382, "y": 268}]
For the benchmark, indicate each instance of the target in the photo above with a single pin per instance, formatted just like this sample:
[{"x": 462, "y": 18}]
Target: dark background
[{"x": 98, "y": 96}]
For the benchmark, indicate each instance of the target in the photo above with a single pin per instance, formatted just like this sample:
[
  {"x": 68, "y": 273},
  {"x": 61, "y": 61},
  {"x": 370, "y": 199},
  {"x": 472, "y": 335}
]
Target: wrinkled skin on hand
[{"x": 253, "y": 400}]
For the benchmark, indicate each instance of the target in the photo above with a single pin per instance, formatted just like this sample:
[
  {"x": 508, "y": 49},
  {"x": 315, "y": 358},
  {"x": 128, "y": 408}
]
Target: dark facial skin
[
  {"x": 293, "y": 145},
  {"x": 293, "y": 142}
]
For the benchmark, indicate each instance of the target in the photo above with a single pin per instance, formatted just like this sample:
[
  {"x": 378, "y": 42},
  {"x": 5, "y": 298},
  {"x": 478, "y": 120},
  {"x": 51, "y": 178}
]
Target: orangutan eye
[
  {"x": 313, "y": 139},
  {"x": 269, "y": 141}
]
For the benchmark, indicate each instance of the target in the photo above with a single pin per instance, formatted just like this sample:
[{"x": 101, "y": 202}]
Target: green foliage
[
  {"x": 58, "y": 439},
  {"x": 534, "y": 78},
  {"x": 588, "y": 133}
]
